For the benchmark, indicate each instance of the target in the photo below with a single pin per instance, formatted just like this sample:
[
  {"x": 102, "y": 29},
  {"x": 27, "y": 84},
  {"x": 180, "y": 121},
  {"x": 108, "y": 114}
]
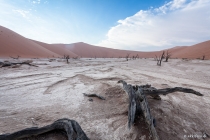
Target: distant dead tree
[
  {"x": 159, "y": 59},
  {"x": 66, "y": 57},
  {"x": 203, "y": 57},
  {"x": 137, "y": 56},
  {"x": 127, "y": 56},
  {"x": 168, "y": 55},
  {"x": 95, "y": 56},
  {"x": 15, "y": 57},
  {"x": 75, "y": 57}
]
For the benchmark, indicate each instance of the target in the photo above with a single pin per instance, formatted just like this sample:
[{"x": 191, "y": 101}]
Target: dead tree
[
  {"x": 159, "y": 60},
  {"x": 127, "y": 56},
  {"x": 138, "y": 104},
  {"x": 203, "y": 58},
  {"x": 168, "y": 55},
  {"x": 76, "y": 57},
  {"x": 66, "y": 57},
  {"x": 137, "y": 56},
  {"x": 70, "y": 128},
  {"x": 15, "y": 57}
]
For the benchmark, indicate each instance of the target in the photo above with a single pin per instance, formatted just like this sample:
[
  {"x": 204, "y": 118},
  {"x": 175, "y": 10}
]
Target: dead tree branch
[
  {"x": 138, "y": 102},
  {"x": 154, "y": 91},
  {"x": 76, "y": 57},
  {"x": 137, "y": 56},
  {"x": 168, "y": 55},
  {"x": 15, "y": 57},
  {"x": 94, "y": 95},
  {"x": 70, "y": 127},
  {"x": 127, "y": 56}
]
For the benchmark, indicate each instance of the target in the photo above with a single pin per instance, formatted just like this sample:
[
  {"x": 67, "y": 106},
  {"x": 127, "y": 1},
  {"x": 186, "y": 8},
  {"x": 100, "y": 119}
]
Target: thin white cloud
[
  {"x": 36, "y": 1},
  {"x": 22, "y": 12},
  {"x": 32, "y": 24},
  {"x": 178, "y": 22}
]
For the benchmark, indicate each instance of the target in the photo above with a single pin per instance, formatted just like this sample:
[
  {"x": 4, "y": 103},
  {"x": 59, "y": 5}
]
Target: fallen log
[
  {"x": 27, "y": 62},
  {"x": 138, "y": 103},
  {"x": 94, "y": 95},
  {"x": 71, "y": 128}
]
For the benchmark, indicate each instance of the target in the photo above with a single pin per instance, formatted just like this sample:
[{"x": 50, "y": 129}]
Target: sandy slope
[
  {"x": 60, "y": 50},
  {"x": 13, "y": 44},
  {"x": 91, "y": 51},
  {"x": 195, "y": 51},
  {"x": 37, "y": 96}
]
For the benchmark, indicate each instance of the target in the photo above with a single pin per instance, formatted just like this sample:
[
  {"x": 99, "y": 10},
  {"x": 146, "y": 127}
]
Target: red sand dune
[
  {"x": 87, "y": 50},
  {"x": 193, "y": 52},
  {"x": 60, "y": 50},
  {"x": 13, "y": 44}
]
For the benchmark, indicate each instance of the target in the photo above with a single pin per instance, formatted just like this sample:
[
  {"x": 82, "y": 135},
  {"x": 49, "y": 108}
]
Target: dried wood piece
[
  {"x": 27, "y": 62},
  {"x": 94, "y": 95},
  {"x": 142, "y": 101},
  {"x": 137, "y": 105},
  {"x": 70, "y": 127},
  {"x": 154, "y": 91}
]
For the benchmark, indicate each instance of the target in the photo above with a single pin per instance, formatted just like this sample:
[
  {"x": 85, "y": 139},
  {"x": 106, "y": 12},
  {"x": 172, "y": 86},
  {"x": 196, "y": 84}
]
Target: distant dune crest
[{"x": 13, "y": 44}]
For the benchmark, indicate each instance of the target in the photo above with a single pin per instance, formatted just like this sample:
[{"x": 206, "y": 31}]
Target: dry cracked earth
[{"x": 37, "y": 96}]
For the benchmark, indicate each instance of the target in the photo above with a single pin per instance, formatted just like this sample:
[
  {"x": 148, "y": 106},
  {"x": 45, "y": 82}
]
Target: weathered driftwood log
[
  {"x": 71, "y": 128},
  {"x": 7, "y": 64},
  {"x": 138, "y": 102},
  {"x": 94, "y": 95}
]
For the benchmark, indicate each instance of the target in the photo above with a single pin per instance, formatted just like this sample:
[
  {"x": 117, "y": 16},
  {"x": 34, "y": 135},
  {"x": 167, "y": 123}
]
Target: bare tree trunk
[
  {"x": 138, "y": 103},
  {"x": 167, "y": 56},
  {"x": 159, "y": 60},
  {"x": 127, "y": 56},
  {"x": 203, "y": 57},
  {"x": 137, "y": 56}
]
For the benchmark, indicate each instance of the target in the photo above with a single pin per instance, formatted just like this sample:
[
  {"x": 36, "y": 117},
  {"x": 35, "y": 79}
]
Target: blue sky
[{"x": 143, "y": 25}]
